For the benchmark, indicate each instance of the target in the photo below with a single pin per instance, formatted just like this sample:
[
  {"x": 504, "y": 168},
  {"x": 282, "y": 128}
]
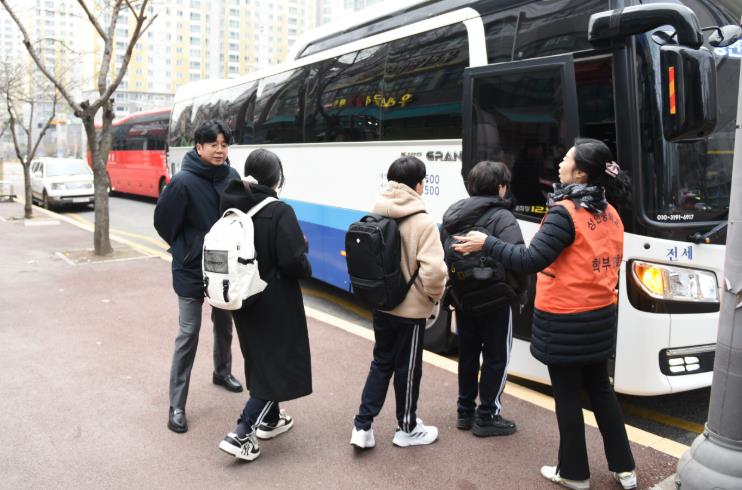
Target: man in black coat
[{"x": 185, "y": 212}]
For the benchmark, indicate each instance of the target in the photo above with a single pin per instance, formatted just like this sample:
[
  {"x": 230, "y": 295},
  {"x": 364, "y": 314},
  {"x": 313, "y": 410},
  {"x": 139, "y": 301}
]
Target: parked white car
[{"x": 56, "y": 181}]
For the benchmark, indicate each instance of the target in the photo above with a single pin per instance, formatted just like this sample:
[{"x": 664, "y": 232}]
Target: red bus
[{"x": 136, "y": 162}]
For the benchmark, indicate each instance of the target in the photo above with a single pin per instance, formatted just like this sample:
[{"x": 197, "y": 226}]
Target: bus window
[
  {"x": 180, "y": 131},
  {"x": 278, "y": 110},
  {"x": 241, "y": 111},
  {"x": 119, "y": 134},
  {"x": 524, "y": 114},
  {"x": 686, "y": 182},
  {"x": 342, "y": 95},
  {"x": 556, "y": 27},
  {"x": 421, "y": 99},
  {"x": 499, "y": 32}
]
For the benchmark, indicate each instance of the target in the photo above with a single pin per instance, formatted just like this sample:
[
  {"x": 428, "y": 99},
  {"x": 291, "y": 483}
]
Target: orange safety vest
[{"x": 585, "y": 275}]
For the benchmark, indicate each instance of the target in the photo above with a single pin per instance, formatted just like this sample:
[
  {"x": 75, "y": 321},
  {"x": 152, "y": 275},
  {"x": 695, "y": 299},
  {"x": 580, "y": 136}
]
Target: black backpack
[
  {"x": 373, "y": 253},
  {"x": 478, "y": 284}
]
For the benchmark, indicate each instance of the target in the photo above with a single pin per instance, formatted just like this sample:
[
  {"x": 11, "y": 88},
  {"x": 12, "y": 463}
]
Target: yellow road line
[
  {"x": 662, "y": 418},
  {"x": 80, "y": 222},
  {"x": 138, "y": 236},
  {"x": 315, "y": 293},
  {"x": 720, "y": 152}
]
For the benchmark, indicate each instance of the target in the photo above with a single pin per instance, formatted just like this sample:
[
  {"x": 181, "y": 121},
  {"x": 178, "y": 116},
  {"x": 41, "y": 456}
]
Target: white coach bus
[{"x": 455, "y": 82}]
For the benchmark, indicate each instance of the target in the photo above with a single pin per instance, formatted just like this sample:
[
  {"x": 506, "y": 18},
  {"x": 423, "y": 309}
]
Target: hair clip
[{"x": 612, "y": 169}]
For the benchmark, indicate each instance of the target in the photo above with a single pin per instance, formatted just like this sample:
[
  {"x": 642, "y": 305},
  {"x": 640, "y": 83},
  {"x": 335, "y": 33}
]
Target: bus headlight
[{"x": 675, "y": 283}]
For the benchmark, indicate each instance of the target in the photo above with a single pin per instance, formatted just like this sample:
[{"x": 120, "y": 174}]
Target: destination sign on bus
[{"x": 366, "y": 100}]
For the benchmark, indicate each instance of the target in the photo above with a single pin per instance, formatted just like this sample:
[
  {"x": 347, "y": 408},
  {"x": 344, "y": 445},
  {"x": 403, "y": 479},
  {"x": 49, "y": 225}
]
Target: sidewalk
[{"x": 83, "y": 396}]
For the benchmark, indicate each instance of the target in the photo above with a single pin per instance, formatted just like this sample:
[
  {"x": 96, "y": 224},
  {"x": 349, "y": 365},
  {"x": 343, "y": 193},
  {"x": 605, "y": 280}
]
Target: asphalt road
[{"x": 679, "y": 417}]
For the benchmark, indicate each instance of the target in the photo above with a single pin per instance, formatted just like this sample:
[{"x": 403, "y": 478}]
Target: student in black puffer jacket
[
  {"x": 578, "y": 253},
  {"x": 489, "y": 333}
]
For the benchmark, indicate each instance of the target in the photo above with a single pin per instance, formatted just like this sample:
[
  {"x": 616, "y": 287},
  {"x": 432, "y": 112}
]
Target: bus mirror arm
[
  {"x": 621, "y": 23},
  {"x": 699, "y": 237}
]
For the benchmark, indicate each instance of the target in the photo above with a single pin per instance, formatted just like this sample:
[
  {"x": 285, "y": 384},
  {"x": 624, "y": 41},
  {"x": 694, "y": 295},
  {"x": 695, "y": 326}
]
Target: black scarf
[{"x": 590, "y": 197}]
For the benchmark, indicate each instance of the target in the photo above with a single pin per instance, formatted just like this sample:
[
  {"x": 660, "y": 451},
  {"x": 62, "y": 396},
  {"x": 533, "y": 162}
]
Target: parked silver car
[{"x": 56, "y": 181}]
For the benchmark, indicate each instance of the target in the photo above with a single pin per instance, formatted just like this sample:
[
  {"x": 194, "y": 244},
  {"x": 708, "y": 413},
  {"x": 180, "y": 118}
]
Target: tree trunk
[
  {"x": 27, "y": 208},
  {"x": 101, "y": 237}
]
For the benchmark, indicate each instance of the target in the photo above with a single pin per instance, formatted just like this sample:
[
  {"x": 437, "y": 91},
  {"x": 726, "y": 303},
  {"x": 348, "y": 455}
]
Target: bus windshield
[{"x": 688, "y": 182}]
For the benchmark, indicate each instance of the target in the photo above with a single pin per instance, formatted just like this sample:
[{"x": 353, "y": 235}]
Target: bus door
[{"x": 524, "y": 114}]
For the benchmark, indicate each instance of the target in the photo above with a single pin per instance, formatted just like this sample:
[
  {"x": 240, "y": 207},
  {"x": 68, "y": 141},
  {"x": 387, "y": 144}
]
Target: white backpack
[{"x": 229, "y": 261}]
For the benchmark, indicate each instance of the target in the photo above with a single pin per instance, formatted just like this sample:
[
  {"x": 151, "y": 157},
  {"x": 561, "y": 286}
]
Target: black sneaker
[
  {"x": 464, "y": 421},
  {"x": 486, "y": 426},
  {"x": 246, "y": 448}
]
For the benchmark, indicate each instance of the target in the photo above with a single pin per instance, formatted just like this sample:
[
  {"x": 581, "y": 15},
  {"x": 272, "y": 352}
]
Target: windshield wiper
[{"x": 699, "y": 237}]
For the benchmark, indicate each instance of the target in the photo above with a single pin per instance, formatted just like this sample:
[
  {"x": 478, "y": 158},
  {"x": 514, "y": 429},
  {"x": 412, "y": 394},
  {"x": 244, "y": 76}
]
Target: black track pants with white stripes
[
  {"x": 492, "y": 337},
  {"x": 397, "y": 351}
]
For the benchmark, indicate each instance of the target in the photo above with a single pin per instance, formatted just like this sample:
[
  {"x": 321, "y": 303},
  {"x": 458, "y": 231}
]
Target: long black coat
[{"x": 272, "y": 328}]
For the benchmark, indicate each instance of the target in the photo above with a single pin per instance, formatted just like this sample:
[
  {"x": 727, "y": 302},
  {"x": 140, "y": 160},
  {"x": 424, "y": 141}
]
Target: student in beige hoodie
[{"x": 399, "y": 332}]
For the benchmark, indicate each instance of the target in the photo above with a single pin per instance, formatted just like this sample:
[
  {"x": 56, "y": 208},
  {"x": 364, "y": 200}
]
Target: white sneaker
[
  {"x": 551, "y": 473},
  {"x": 627, "y": 479},
  {"x": 421, "y": 434},
  {"x": 363, "y": 439},
  {"x": 246, "y": 448},
  {"x": 269, "y": 431}
]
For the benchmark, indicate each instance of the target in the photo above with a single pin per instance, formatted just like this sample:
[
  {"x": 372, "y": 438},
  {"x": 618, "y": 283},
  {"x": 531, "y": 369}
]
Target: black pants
[
  {"x": 398, "y": 351},
  {"x": 256, "y": 411},
  {"x": 567, "y": 383},
  {"x": 492, "y": 337}
]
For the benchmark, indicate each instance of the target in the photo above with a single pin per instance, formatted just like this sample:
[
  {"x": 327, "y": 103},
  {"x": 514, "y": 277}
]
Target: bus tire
[
  {"x": 438, "y": 338},
  {"x": 161, "y": 186}
]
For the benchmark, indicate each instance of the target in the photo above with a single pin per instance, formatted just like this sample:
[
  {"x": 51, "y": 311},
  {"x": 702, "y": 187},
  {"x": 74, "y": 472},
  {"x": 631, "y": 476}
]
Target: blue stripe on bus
[
  {"x": 325, "y": 226},
  {"x": 329, "y": 216}
]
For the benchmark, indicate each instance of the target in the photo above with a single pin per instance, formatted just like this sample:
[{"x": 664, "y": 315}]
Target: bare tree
[
  {"x": 17, "y": 98},
  {"x": 99, "y": 143}
]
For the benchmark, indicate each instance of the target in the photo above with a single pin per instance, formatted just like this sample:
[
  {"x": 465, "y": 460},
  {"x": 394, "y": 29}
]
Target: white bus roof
[
  {"x": 209, "y": 86},
  {"x": 349, "y": 21}
]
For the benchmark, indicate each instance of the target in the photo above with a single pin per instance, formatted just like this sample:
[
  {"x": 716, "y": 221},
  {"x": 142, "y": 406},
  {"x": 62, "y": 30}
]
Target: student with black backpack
[
  {"x": 398, "y": 328},
  {"x": 482, "y": 291}
]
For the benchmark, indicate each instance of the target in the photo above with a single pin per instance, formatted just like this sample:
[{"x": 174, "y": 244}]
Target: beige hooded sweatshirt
[{"x": 421, "y": 247}]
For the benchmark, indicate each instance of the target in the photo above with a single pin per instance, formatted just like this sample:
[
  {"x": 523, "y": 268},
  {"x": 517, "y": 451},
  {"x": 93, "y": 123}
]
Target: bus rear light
[
  {"x": 676, "y": 283},
  {"x": 671, "y": 90}
]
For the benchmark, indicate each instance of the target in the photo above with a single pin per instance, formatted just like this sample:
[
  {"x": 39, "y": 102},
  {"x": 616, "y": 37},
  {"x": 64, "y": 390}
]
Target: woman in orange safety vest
[{"x": 577, "y": 253}]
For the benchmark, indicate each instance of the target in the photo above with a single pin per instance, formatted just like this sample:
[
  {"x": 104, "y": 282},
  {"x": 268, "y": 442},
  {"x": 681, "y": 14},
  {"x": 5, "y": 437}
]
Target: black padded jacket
[{"x": 559, "y": 339}]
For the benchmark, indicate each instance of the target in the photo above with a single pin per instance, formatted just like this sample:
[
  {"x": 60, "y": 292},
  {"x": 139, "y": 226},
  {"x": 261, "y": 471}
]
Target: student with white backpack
[{"x": 271, "y": 325}]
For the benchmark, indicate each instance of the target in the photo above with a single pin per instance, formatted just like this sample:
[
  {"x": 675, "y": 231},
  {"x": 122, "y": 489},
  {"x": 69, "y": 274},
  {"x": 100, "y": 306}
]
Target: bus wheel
[
  {"x": 161, "y": 186},
  {"x": 438, "y": 338}
]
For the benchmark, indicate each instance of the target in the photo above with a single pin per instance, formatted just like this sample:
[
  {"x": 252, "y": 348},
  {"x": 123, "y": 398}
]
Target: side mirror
[
  {"x": 688, "y": 92},
  {"x": 725, "y": 36}
]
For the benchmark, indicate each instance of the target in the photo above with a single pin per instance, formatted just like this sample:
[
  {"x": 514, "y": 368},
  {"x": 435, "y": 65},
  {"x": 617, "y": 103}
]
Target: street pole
[{"x": 715, "y": 458}]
